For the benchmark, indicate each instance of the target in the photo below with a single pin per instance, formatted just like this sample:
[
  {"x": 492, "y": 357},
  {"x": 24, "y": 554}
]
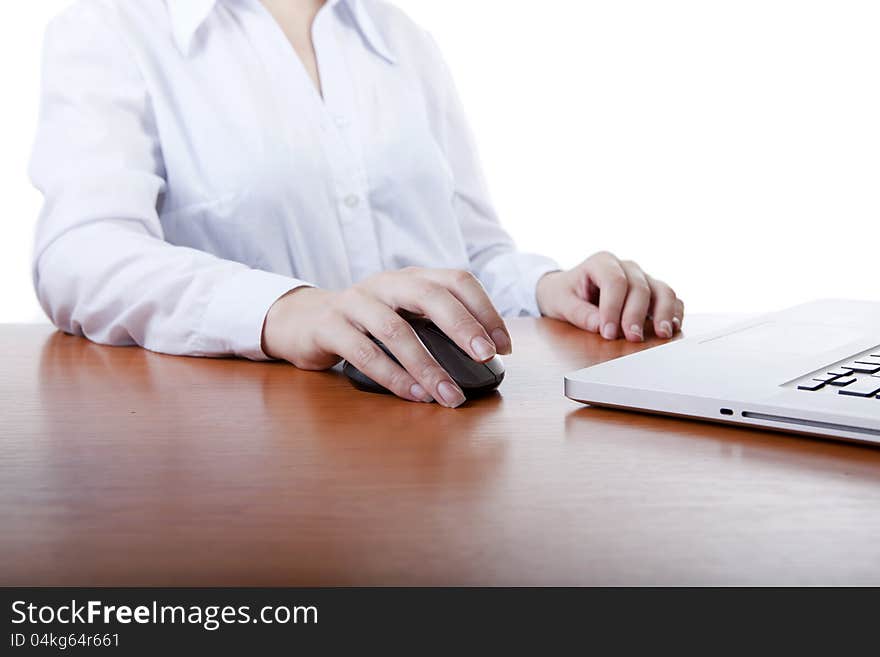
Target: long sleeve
[
  {"x": 509, "y": 276},
  {"x": 101, "y": 266}
]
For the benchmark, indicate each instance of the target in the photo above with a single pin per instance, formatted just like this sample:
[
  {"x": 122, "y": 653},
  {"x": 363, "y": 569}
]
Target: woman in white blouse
[{"x": 276, "y": 179}]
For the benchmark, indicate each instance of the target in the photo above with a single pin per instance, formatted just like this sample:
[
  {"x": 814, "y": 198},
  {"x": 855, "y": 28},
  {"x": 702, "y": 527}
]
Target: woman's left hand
[{"x": 603, "y": 294}]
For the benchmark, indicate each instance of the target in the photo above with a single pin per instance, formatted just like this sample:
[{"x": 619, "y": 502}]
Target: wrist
[
  {"x": 544, "y": 292},
  {"x": 277, "y": 324}
]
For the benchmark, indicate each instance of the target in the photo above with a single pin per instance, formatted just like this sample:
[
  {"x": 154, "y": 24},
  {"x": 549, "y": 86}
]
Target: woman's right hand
[{"x": 314, "y": 328}]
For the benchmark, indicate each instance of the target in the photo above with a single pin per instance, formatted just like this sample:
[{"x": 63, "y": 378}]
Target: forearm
[
  {"x": 511, "y": 278},
  {"x": 116, "y": 284}
]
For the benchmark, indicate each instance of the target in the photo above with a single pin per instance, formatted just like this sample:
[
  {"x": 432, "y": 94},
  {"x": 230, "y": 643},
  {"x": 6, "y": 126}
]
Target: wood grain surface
[{"x": 123, "y": 467}]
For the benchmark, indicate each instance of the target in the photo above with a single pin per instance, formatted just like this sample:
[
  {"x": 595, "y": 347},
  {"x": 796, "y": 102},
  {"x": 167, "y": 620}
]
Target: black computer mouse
[{"x": 475, "y": 379}]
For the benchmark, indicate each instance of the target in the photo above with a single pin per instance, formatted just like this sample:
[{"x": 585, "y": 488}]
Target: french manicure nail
[
  {"x": 450, "y": 395},
  {"x": 419, "y": 392},
  {"x": 636, "y": 330},
  {"x": 502, "y": 341},
  {"x": 665, "y": 329},
  {"x": 609, "y": 331},
  {"x": 676, "y": 321},
  {"x": 482, "y": 348}
]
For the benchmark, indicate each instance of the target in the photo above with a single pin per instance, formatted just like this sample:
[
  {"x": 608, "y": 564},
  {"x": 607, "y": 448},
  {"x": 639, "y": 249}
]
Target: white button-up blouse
[{"x": 192, "y": 173}]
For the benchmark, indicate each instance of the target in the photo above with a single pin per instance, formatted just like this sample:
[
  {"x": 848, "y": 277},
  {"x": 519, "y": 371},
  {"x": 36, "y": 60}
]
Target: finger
[
  {"x": 663, "y": 308},
  {"x": 398, "y": 336},
  {"x": 637, "y": 304},
  {"x": 608, "y": 275},
  {"x": 678, "y": 315},
  {"x": 367, "y": 357},
  {"x": 580, "y": 313},
  {"x": 424, "y": 296},
  {"x": 470, "y": 292}
]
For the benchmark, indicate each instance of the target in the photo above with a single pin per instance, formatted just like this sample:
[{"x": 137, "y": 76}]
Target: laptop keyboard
[{"x": 858, "y": 377}]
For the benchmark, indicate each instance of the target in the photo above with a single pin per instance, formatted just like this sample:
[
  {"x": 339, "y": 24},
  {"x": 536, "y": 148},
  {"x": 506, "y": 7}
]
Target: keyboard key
[
  {"x": 864, "y": 387},
  {"x": 843, "y": 381},
  {"x": 862, "y": 368},
  {"x": 813, "y": 385},
  {"x": 827, "y": 378},
  {"x": 840, "y": 372}
]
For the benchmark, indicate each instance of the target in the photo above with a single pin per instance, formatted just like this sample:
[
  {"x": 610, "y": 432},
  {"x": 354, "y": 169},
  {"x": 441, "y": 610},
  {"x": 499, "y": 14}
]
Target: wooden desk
[{"x": 122, "y": 467}]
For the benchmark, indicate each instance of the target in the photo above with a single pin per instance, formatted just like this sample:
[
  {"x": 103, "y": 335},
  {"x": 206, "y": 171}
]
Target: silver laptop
[{"x": 812, "y": 369}]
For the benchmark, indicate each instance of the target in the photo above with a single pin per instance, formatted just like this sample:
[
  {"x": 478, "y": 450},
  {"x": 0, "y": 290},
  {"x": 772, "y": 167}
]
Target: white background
[{"x": 732, "y": 147}]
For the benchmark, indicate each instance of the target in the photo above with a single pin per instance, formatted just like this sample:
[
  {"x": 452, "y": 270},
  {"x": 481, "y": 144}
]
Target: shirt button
[{"x": 352, "y": 200}]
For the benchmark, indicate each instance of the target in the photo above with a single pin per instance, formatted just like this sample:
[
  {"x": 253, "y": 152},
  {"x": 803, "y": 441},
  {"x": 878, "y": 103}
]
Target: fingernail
[
  {"x": 450, "y": 394},
  {"x": 636, "y": 330},
  {"x": 609, "y": 331},
  {"x": 665, "y": 329},
  {"x": 482, "y": 348},
  {"x": 419, "y": 392},
  {"x": 593, "y": 323},
  {"x": 502, "y": 341},
  {"x": 677, "y": 322}
]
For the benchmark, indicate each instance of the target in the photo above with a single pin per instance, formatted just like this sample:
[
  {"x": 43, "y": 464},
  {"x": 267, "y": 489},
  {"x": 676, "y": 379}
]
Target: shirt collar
[
  {"x": 368, "y": 28},
  {"x": 188, "y": 15}
]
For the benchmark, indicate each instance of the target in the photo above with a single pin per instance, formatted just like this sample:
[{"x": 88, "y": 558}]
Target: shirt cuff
[
  {"x": 532, "y": 269},
  {"x": 234, "y": 318}
]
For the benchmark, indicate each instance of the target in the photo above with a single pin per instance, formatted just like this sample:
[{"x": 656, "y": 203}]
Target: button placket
[{"x": 344, "y": 155}]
